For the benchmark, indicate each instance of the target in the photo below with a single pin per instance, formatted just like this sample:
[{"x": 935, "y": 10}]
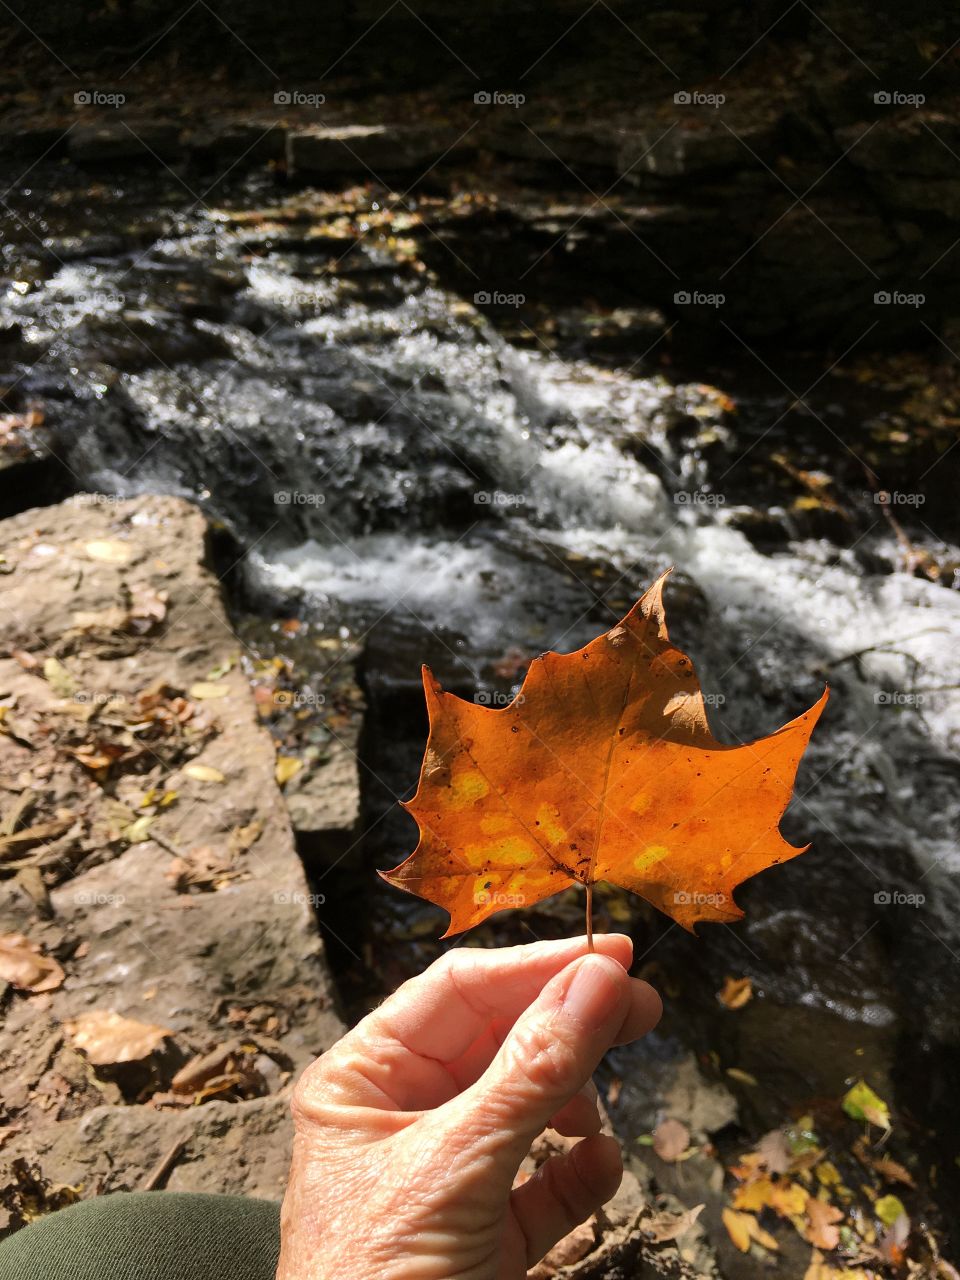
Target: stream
[{"x": 442, "y": 483}]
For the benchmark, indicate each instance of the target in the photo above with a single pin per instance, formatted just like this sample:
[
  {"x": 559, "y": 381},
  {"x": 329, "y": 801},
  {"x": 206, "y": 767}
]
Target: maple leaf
[{"x": 602, "y": 768}]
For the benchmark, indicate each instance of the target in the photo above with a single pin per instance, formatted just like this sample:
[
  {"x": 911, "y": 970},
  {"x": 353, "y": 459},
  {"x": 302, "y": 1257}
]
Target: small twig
[
  {"x": 159, "y": 1175},
  {"x": 590, "y": 946}
]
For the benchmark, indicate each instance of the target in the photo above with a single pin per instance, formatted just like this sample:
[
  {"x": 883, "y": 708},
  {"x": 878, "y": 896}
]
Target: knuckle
[
  {"x": 311, "y": 1093},
  {"x": 541, "y": 1059}
]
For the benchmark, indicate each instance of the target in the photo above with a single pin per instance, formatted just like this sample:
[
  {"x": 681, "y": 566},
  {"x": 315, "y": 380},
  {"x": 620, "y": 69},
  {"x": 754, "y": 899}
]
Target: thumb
[{"x": 550, "y": 1053}]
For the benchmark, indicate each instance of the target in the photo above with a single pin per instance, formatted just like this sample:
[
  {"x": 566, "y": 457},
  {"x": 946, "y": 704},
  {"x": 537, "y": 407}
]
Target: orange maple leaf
[{"x": 602, "y": 768}]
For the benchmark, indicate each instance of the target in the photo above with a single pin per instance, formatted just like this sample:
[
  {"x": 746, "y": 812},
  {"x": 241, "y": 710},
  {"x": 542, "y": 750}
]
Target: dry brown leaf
[
  {"x": 774, "y": 1152},
  {"x": 23, "y": 964},
  {"x": 671, "y": 1139},
  {"x": 666, "y": 1226},
  {"x": 106, "y": 1037},
  {"x": 735, "y": 992},
  {"x": 822, "y": 1218}
]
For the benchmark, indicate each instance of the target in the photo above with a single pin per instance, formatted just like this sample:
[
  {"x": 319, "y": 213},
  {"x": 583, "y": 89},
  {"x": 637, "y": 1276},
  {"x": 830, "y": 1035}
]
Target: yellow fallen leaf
[
  {"x": 888, "y": 1209},
  {"x": 109, "y": 551},
  {"x": 735, "y": 992},
  {"x": 789, "y": 1198},
  {"x": 738, "y": 1228},
  {"x": 138, "y": 831},
  {"x": 742, "y": 1077},
  {"x": 58, "y": 678},
  {"x": 861, "y": 1103},
  {"x": 204, "y": 773},
  {"x": 287, "y": 767},
  {"x": 207, "y": 689}
]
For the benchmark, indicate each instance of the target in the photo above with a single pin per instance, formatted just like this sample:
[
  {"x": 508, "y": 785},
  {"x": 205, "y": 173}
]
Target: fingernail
[{"x": 594, "y": 991}]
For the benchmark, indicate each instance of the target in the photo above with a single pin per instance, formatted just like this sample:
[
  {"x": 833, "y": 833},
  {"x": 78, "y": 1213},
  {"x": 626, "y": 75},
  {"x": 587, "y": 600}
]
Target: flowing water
[{"x": 396, "y": 469}]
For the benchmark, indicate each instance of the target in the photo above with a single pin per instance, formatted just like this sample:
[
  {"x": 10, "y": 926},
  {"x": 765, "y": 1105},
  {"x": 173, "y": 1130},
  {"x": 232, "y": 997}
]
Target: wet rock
[
  {"x": 324, "y": 803},
  {"x": 232, "y": 141},
  {"x": 108, "y": 141},
  {"x": 366, "y": 151}
]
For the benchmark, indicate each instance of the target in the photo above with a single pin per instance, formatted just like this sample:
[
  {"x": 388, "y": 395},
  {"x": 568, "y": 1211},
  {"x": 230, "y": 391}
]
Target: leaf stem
[{"x": 590, "y": 946}]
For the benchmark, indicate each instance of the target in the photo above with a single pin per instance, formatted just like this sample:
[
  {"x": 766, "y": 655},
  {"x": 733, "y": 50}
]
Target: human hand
[{"x": 411, "y": 1129}]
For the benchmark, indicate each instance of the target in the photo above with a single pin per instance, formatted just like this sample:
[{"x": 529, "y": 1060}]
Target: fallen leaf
[
  {"x": 59, "y": 678},
  {"x": 774, "y": 1152},
  {"x": 666, "y": 1226},
  {"x": 742, "y": 1077},
  {"x": 671, "y": 1139},
  {"x": 888, "y": 1168},
  {"x": 138, "y": 831},
  {"x": 106, "y": 1037},
  {"x": 739, "y": 1228},
  {"x": 861, "y": 1103},
  {"x": 287, "y": 767},
  {"x": 786, "y": 1197},
  {"x": 822, "y": 1219},
  {"x": 743, "y": 1228},
  {"x": 888, "y": 1209},
  {"x": 23, "y": 964},
  {"x": 602, "y": 768},
  {"x": 109, "y": 551},
  {"x": 735, "y": 992},
  {"x": 242, "y": 838},
  {"x": 204, "y": 773},
  {"x": 208, "y": 689}
]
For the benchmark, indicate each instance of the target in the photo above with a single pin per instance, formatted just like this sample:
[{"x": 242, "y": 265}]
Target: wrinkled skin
[{"x": 411, "y": 1129}]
